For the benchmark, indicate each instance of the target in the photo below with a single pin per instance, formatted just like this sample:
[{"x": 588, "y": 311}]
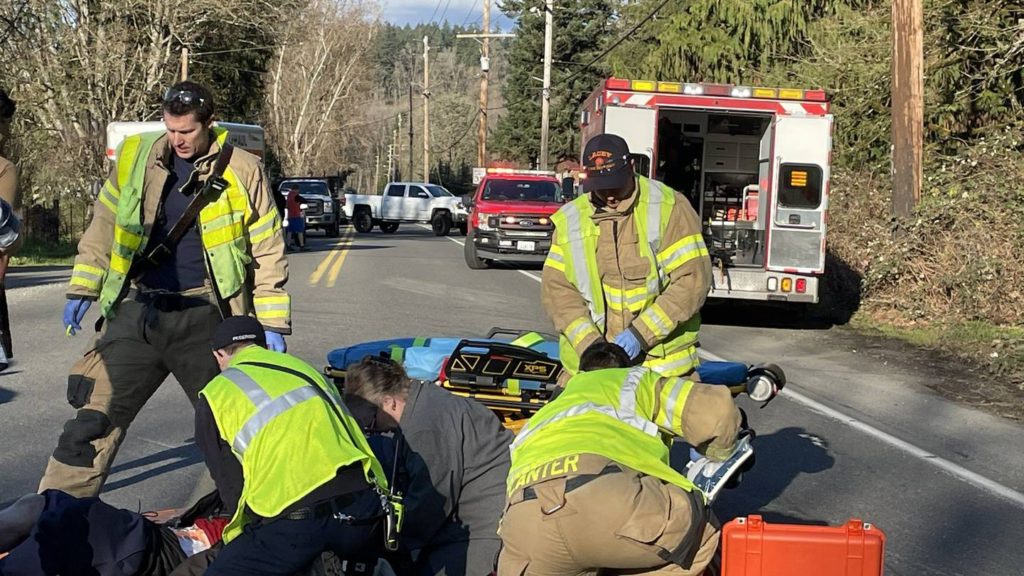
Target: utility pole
[
  {"x": 485, "y": 70},
  {"x": 184, "y": 64},
  {"x": 907, "y": 104},
  {"x": 410, "y": 125},
  {"x": 426, "y": 109},
  {"x": 398, "y": 149},
  {"x": 545, "y": 102},
  {"x": 376, "y": 172}
]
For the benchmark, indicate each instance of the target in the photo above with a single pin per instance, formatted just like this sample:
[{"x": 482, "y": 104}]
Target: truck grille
[
  {"x": 526, "y": 225},
  {"x": 314, "y": 207}
]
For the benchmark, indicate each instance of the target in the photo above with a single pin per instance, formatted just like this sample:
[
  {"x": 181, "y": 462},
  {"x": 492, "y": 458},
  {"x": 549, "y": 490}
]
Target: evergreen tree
[{"x": 580, "y": 29}]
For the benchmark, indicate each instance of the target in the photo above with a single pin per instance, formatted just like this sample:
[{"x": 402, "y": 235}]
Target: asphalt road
[{"x": 857, "y": 435}]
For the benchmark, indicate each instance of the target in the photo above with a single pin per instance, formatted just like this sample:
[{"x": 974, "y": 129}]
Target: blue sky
[{"x": 403, "y": 12}]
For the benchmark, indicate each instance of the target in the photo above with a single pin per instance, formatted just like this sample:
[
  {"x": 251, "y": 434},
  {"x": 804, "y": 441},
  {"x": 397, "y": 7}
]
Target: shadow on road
[
  {"x": 839, "y": 299},
  {"x": 176, "y": 458},
  {"x": 6, "y": 395},
  {"x": 780, "y": 458}
]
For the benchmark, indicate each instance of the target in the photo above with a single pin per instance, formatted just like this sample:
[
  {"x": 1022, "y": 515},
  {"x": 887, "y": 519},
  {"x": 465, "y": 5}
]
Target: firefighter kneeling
[{"x": 590, "y": 486}]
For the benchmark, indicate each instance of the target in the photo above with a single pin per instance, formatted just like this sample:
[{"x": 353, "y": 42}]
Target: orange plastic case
[{"x": 753, "y": 547}]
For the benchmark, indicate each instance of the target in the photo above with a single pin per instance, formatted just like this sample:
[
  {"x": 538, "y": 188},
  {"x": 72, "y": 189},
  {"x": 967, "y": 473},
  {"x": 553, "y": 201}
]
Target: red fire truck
[{"x": 754, "y": 162}]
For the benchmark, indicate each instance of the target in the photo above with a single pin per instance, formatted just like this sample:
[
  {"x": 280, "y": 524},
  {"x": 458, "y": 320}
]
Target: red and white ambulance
[{"x": 753, "y": 161}]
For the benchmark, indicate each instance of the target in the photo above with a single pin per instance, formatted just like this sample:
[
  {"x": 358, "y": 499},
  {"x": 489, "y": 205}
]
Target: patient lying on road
[{"x": 56, "y": 533}]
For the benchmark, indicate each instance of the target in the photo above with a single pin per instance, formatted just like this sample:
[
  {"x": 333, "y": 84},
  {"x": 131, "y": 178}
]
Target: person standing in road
[
  {"x": 453, "y": 459},
  {"x": 10, "y": 237},
  {"x": 627, "y": 264},
  {"x": 296, "y": 219},
  {"x": 578, "y": 505},
  {"x": 288, "y": 459},
  {"x": 161, "y": 297}
]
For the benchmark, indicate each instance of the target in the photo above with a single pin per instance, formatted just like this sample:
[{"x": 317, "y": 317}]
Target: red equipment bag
[{"x": 753, "y": 547}]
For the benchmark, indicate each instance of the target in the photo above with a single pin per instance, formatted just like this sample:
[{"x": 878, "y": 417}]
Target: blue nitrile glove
[
  {"x": 275, "y": 342},
  {"x": 74, "y": 311},
  {"x": 627, "y": 340}
]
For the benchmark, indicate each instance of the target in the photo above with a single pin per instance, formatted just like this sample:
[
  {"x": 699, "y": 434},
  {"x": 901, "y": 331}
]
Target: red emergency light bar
[{"x": 728, "y": 90}]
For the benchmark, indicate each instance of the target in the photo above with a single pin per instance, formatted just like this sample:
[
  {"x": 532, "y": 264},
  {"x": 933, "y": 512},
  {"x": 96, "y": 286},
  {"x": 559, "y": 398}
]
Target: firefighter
[
  {"x": 10, "y": 228},
  {"x": 627, "y": 264},
  {"x": 160, "y": 299},
  {"x": 576, "y": 506},
  {"x": 453, "y": 459},
  {"x": 283, "y": 448}
]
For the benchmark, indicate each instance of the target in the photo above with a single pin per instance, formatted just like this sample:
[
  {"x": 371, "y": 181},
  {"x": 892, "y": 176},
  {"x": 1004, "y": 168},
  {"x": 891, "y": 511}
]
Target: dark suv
[{"x": 322, "y": 208}]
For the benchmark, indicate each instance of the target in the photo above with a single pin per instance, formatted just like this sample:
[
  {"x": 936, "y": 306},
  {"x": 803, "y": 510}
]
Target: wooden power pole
[
  {"x": 426, "y": 109},
  {"x": 485, "y": 69},
  {"x": 184, "y": 64},
  {"x": 907, "y": 104},
  {"x": 546, "y": 96}
]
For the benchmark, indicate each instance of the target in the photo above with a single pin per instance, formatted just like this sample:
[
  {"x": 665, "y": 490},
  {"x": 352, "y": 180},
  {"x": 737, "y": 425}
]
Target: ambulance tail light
[
  {"x": 787, "y": 284},
  {"x": 773, "y": 284},
  {"x": 801, "y": 285},
  {"x": 815, "y": 95}
]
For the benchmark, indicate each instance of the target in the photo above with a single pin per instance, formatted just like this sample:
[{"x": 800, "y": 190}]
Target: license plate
[{"x": 526, "y": 246}]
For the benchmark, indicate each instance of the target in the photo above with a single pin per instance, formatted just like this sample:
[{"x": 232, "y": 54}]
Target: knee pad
[{"x": 74, "y": 447}]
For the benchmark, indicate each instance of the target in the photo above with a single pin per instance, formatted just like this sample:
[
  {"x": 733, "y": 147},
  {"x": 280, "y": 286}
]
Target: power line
[
  {"x": 232, "y": 50},
  {"x": 615, "y": 44},
  {"x": 600, "y": 56},
  {"x": 445, "y": 11},
  {"x": 434, "y": 13},
  {"x": 470, "y": 13}
]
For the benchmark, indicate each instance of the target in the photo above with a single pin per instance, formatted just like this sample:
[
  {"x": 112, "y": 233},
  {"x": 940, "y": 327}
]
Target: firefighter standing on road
[
  {"x": 228, "y": 261},
  {"x": 579, "y": 506},
  {"x": 288, "y": 458},
  {"x": 627, "y": 264}
]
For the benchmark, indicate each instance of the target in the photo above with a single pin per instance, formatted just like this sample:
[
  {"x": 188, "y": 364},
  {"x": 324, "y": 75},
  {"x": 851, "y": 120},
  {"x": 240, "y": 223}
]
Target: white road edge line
[{"x": 956, "y": 470}]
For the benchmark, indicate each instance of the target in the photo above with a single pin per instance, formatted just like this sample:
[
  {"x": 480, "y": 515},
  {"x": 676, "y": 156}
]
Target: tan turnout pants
[
  {"x": 623, "y": 522},
  {"x": 125, "y": 364}
]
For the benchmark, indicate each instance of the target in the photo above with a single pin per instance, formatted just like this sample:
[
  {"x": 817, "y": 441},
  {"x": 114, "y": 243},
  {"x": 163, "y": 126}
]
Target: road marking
[
  {"x": 333, "y": 276},
  {"x": 956, "y": 470},
  {"x": 338, "y": 249}
]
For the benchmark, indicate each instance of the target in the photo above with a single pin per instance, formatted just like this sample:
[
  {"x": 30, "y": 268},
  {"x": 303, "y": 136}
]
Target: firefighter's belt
[{"x": 574, "y": 482}]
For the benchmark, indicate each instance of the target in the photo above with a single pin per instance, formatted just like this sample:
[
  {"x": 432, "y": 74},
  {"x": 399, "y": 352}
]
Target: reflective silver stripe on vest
[
  {"x": 579, "y": 260},
  {"x": 555, "y": 257},
  {"x": 627, "y": 397},
  {"x": 266, "y": 408},
  {"x": 670, "y": 403},
  {"x": 625, "y": 414},
  {"x": 655, "y": 196}
]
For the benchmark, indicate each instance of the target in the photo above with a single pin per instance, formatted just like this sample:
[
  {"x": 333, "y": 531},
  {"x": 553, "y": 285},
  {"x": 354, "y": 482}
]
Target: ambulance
[
  {"x": 246, "y": 137},
  {"x": 753, "y": 161}
]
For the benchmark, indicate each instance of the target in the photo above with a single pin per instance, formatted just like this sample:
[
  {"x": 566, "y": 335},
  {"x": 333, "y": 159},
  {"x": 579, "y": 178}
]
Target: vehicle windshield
[
  {"x": 513, "y": 190},
  {"x": 308, "y": 188},
  {"x": 438, "y": 192}
]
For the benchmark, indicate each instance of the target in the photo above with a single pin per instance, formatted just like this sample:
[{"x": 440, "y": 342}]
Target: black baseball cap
[
  {"x": 238, "y": 329},
  {"x": 606, "y": 163}
]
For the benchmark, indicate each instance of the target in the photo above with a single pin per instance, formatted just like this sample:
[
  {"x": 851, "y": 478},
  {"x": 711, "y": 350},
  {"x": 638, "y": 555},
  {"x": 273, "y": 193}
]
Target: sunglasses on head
[{"x": 184, "y": 96}]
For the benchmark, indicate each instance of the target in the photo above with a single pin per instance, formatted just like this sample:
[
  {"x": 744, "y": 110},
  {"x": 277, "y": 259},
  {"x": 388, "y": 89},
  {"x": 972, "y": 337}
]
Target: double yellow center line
[{"x": 331, "y": 264}]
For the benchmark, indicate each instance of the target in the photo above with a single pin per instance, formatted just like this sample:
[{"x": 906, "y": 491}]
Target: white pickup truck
[{"x": 406, "y": 202}]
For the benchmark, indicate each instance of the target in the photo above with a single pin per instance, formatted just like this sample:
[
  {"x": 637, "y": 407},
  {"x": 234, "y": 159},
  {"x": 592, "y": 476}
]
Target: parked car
[{"x": 406, "y": 202}]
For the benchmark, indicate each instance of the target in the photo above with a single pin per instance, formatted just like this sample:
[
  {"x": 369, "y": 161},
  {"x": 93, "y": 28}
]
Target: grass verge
[
  {"x": 36, "y": 253},
  {"x": 995, "y": 352}
]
